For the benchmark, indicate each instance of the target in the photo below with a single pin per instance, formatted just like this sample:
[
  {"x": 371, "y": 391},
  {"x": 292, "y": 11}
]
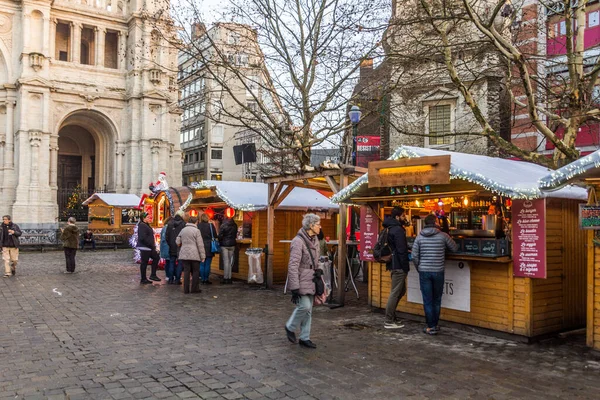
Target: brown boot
[{"x": 13, "y": 268}]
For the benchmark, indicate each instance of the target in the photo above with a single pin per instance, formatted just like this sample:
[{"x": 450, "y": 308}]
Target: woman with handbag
[
  {"x": 302, "y": 269},
  {"x": 211, "y": 246}
]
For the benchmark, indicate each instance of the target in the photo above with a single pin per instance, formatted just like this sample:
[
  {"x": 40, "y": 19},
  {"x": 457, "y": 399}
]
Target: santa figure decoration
[{"x": 155, "y": 188}]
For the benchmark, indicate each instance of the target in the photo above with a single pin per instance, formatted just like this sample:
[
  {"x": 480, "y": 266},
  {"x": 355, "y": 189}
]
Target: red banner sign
[
  {"x": 369, "y": 228},
  {"x": 367, "y": 149},
  {"x": 529, "y": 238}
]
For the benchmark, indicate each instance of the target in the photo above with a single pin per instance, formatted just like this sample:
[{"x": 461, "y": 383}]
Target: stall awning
[
  {"x": 514, "y": 179},
  {"x": 584, "y": 168},
  {"x": 253, "y": 196},
  {"x": 115, "y": 199}
]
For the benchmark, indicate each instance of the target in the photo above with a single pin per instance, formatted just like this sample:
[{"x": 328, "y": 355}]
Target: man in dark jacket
[
  {"x": 147, "y": 247},
  {"x": 227, "y": 240},
  {"x": 69, "y": 236},
  {"x": 9, "y": 240},
  {"x": 399, "y": 265},
  {"x": 173, "y": 230},
  {"x": 429, "y": 256}
]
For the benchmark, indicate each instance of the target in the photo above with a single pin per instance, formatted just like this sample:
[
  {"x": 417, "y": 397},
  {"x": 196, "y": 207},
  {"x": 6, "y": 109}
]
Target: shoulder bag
[
  {"x": 320, "y": 288},
  {"x": 215, "y": 247}
]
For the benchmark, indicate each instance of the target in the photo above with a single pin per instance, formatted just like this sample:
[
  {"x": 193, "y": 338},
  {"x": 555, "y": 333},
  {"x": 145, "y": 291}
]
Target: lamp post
[{"x": 354, "y": 115}]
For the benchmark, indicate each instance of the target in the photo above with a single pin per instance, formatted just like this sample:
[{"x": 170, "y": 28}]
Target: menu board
[
  {"x": 529, "y": 238},
  {"x": 589, "y": 216},
  {"x": 369, "y": 229},
  {"x": 471, "y": 246}
]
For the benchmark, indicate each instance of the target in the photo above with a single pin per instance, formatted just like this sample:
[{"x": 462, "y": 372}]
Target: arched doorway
[{"x": 85, "y": 159}]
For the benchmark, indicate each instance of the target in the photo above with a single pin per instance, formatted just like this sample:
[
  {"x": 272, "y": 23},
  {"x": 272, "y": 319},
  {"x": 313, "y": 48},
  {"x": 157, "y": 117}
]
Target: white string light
[
  {"x": 560, "y": 177},
  {"x": 227, "y": 200}
]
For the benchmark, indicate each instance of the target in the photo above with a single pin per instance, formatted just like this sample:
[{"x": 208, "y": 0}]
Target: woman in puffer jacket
[{"x": 304, "y": 253}]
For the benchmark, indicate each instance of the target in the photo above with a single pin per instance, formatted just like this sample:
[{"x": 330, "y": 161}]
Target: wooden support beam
[
  {"x": 273, "y": 196},
  {"x": 332, "y": 184},
  {"x": 283, "y": 195},
  {"x": 342, "y": 250},
  {"x": 270, "y": 237}
]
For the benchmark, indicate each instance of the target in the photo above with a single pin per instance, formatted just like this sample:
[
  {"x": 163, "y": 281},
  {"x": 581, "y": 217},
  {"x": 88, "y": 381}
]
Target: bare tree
[
  {"x": 464, "y": 40},
  {"x": 289, "y": 66}
]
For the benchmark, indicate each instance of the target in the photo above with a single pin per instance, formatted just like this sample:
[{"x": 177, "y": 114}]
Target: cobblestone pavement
[{"x": 99, "y": 334}]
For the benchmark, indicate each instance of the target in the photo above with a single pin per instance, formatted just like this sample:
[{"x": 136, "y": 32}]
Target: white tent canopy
[
  {"x": 115, "y": 199},
  {"x": 514, "y": 179},
  {"x": 253, "y": 196}
]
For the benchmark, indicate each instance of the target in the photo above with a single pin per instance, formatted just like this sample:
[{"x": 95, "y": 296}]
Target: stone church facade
[{"x": 88, "y": 96}]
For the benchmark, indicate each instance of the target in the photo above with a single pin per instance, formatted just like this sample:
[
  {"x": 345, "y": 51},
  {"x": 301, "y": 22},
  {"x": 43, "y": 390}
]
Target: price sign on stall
[
  {"x": 529, "y": 238},
  {"x": 368, "y": 233}
]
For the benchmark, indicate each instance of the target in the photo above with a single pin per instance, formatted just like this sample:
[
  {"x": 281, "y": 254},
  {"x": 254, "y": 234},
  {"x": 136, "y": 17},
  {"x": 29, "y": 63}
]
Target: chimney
[
  {"x": 198, "y": 30},
  {"x": 366, "y": 68}
]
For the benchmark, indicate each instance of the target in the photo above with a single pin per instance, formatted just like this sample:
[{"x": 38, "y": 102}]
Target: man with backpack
[{"x": 398, "y": 264}]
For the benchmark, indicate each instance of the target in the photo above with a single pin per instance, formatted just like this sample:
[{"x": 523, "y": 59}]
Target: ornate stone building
[{"x": 88, "y": 96}]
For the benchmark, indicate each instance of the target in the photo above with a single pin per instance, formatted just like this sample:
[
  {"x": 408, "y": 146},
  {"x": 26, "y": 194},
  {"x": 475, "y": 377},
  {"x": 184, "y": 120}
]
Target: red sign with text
[
  {"x": 369, "y": 228},
  {"x": 529, "y": 238},
  {"x": 367, "y": 149}
]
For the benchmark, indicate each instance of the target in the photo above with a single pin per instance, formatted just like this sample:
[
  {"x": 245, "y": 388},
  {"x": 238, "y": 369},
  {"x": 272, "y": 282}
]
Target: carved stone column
[
  {"x": 52, "y": 45},
  {"x": 76, "y": 42},
  {"x": 9, "y": 162},
  {"x": 54, "y": 162},
  {"x": 100, "y": 42},
  {"x": 122, "y": 46},
  {"x": 155, "y": 150}
]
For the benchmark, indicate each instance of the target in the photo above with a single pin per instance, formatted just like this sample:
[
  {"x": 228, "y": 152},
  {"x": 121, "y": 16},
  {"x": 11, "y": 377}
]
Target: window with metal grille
[{"x": 439, "y": 125}]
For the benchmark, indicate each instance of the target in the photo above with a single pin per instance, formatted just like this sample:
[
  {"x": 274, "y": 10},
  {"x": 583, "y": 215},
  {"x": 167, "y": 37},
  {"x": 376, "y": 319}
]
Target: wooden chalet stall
[
  {"x": 520, "y": 268},
  {"x": 330, "y": 179},
  {"x": 248, "y": 200},
  {"x": 112, "y": 213},
  {"x": 585, "y": 171}
]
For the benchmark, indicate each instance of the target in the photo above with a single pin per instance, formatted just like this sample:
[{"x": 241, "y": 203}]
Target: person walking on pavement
[
  {"x": 70, "y": 237},
  {"x": 9, "y": 240},
  {"x": 227, "y": 240},
  {"x": 191, "y": 254},
  {"x": 208, "y": 231},
  {"x": 147, "y": 248},
  {"x": 302, "y": 267},
  {"x": 429, "y": 256},
  {"x": 173, "y": 230},
  {"x": 399, "y": 265}
]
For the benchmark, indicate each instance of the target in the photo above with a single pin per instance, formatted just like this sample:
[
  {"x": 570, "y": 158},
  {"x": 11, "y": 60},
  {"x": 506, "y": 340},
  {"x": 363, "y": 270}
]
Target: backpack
[{"x": 382, "y": 252}]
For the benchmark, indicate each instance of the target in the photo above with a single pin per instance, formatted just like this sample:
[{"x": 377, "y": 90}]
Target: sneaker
[
  {"x": 392, "y": 325},
  {"x": 308, "y": 344},
  {"x": 67, "y": 272},
  {"x": 429, "y": 331},
  {"x": 7, "y": 275},
  {"x": 155, "y": 278}
]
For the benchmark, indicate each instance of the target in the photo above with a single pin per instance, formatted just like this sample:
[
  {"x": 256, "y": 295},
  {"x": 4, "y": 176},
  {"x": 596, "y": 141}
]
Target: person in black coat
[
  {"x": 399, "y": 265},
  {"x": 208, "y": 231},
  {"x": 147, "y": 247},
  {"x": 173, "y": 229},
  {"x": 227, "y": 240}
]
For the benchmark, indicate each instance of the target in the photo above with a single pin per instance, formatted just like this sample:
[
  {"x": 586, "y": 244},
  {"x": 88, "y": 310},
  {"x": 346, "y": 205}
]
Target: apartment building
[{"x": 220, "y": 77}]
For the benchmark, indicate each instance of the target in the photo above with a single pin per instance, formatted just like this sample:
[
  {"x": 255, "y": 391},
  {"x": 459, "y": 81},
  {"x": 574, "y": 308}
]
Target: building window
[
  {"x": 111, "y": 50},
  {"x": 439, "y": 125},
  {"x": 185, "y": 159},
  {"x": 196, "y": 157},
  {"x": 201, "y": 156},
  {"x": 87, "y": 46},
  {"x": 216, "y": 177},
  {"x": 216, "y": 154},
  {"x": 234, "y": 38},
  {"x": 62, "y": 41},
  {"x": 217, "y": 134}
]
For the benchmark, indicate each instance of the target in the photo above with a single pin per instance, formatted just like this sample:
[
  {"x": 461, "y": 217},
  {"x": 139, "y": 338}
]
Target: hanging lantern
[
  {"x": 194, "y": 213},
  {"x": 210, "y": 213},
  {"x": 229, "y": 212},
  {"x": 466, "y": 201},
  {"x": 508, "y": 203},
  {"x": 440, "y": 203}
]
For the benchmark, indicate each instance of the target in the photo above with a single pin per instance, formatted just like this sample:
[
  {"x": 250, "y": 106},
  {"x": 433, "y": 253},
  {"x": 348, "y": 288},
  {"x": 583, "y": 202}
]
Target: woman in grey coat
[
  {"x": 191, "y": 253},
  {"x": 304, "y": 253}
]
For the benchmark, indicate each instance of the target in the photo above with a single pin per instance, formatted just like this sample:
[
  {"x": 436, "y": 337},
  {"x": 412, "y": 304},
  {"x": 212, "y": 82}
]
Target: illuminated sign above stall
[{"x": 433, "y": 170}]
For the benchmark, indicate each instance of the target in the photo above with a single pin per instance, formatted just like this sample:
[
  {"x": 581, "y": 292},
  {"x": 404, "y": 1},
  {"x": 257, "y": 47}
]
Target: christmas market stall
[
  {"x": 246, "y": 203},
  {"x": 112, "y": 216},
  {"x": 585, "y": 171},
  {"x": 520, "y": 268}
]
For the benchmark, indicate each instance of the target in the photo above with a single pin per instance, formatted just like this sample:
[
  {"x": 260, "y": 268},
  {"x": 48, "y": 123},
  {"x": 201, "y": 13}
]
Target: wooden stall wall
[
  {"x": 593, "y": 308},
  {"x": 287, "y": 224},
  {"x": 559, "y": 302},
  {"x": 101, "y": 209}
]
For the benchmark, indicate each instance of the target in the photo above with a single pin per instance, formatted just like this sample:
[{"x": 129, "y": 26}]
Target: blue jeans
[
  {"x": 174, "y": 269},
  {"x": 302, "y": 316},
  {"x": 432, "y": 288},
  {"x": 205, "y": 269}
]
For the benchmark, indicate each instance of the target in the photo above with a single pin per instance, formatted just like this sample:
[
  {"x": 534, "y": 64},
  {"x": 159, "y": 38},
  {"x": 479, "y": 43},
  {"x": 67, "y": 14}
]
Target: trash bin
[{"x": 255, "y": 274}]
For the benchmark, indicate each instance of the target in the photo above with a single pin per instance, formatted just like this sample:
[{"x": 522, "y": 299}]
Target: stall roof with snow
[
  {"x": 587, "y": 167},
  {"x": 253, "y": 196},
  {"x": 509, "y": 178},
  {"x": 122, "y": 200}
]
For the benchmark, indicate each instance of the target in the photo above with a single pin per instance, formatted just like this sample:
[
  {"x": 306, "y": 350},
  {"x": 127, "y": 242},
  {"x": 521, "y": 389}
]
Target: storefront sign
[
  {"x": 367, "y": 150},
  {"x": 589, "y": 216},
  {"x": 457, "y": 286},
  {"x": 529, "y": 238},
  {"x": 369, "y": 229},
  {"x": 434, "y": 170}
]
